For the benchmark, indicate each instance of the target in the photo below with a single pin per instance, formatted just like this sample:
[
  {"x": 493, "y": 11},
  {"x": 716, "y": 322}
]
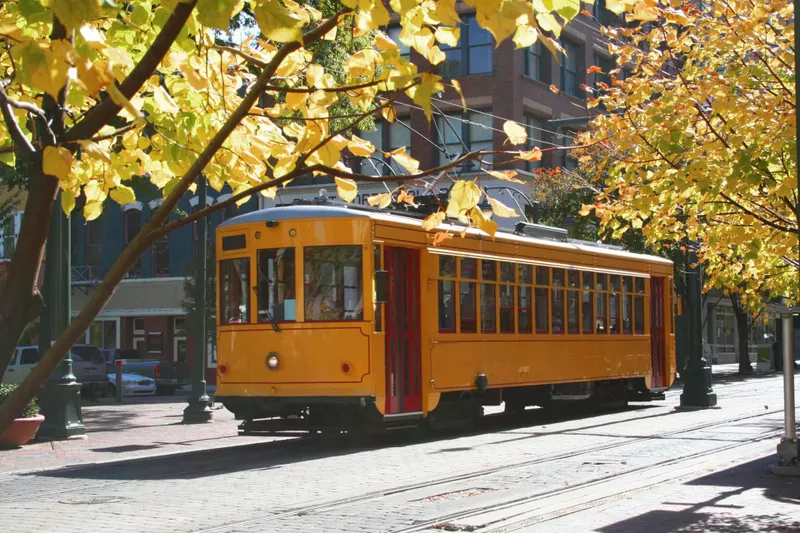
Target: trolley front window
[
  {"x": 276, "y": 286},
  {"x": 234, "y": 298},
  {"x": 332, "y": 281}
]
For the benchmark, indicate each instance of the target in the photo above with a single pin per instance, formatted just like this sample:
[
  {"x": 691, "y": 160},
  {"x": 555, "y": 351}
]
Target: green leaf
[
  {"x": 278, "y": 23},
  {"x": 40, "y": 67},
  {"x": 218, "y": 13},
  {"x": 73, "y": 13},
  {"x": 122, "y": 194},
  {"x": 567, "y": 8},
  {"x": 67, "y": 202}
]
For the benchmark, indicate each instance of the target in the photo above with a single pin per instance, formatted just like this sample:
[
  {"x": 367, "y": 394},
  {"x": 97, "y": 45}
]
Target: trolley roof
[{"x": 304, "y": 212}]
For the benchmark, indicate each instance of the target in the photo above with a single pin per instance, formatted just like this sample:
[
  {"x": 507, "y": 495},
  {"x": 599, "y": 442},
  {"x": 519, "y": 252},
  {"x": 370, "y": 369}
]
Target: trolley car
[{"x": 335, "y": 318}]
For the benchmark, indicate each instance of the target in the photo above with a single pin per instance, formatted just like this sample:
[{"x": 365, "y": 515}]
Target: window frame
[
  {"x": 258, "y": 286},
  {"x": 464, "y": 48},
  {"x": 571, "y": 71},
  {"x": 223, "y": 304},
  {"x": 344, "y": 286},
  {"x": 538, "y": 55},
  {"x": 127, "y": 238},
  {"x": 463, "y": 122}
]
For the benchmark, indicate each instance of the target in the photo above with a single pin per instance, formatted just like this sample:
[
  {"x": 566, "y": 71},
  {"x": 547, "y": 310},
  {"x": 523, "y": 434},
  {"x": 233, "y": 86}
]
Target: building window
[
  {"x": 471, "y": 55},
  {"x": 570, "y": 82},
  {"x": 103, "y": 334},
  {"x": 535, "y": 126},
  {"x": 601, "y": 13},
  {"x": 131, "y": 224},
  {"x": 537, "y": 63},
  {"x": 567, "y": 138},
  {"x": 138, "y": 326},
  {"x": 460, "y": 133},
  {"x": 276, "y": 286},
  {"x": 394, "y": 34},
  {"x": 234, "y": 291},
  {"x": 386, "y": 137},
  {"x": 468, "y": 322},
  {"x": 94, "y": 241},
  {"x": 161, "y": 256},
  {"x": 602, "y": 80},
  {"x": 155, "y": 343},
  {"x": 447, "y": 294},
  {"x": 332, "y": 278}
]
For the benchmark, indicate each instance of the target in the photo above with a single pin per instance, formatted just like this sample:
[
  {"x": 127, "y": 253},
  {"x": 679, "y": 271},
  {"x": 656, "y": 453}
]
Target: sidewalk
[{"x": 140, "y": 427}]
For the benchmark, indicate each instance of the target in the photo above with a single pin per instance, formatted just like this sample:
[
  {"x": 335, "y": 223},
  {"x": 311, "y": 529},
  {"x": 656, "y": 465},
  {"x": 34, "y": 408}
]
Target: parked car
[
  {"x": 89, "y": 368},
  {"x": 132, "y": 385},
  {"x": 23, "y": 360},
  {"x": 168, "y": 375}
]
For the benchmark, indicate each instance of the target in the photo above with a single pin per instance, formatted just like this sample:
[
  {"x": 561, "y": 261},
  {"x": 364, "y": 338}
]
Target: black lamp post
[
  {"x": 697, "y": 391},
  {"x": 60, "y": 400},
  {"x": 198, "y": 409}
]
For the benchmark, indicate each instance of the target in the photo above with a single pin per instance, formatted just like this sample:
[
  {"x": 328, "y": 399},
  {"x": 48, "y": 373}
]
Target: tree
[
  {"x": 95, "y": 93},
  {"x": 191, "y": 304},
  {"x": 699, "y": 138}
]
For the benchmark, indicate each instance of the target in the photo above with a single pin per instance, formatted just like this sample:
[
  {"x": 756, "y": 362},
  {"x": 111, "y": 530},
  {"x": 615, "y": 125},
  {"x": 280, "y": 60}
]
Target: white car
[{"x": 132, "y": 385}]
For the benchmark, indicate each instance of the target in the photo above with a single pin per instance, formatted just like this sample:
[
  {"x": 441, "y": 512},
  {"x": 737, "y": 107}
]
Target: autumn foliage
[{"x": 698, "y": 141}]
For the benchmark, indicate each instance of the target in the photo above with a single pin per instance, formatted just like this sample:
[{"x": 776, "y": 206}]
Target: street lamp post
[
  {"x": 198, "y": 409},
  {"x": 60, "y": 400},
  {"x": 697, "y": 391}
]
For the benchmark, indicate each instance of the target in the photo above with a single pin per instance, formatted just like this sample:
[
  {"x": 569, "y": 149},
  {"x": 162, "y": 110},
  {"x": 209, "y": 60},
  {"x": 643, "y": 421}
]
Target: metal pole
[
  {"x": 118, "y": 380},
  {"x": 788, "y": 379},
  {"x": 198, "y": 409}
]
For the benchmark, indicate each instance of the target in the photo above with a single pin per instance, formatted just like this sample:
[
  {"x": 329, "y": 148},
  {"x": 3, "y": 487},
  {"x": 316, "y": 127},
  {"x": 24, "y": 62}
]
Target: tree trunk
[
  {"x": 20, "y": 301},
  {"x": 742, "y": 334}
]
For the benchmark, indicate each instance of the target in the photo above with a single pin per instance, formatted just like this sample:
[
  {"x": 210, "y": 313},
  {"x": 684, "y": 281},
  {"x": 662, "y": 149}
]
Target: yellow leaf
[
  {"x": 615, "y": 6},
  {"x": 457, "y": 87},
  {"x": 92, "y": 210},
  {"x": 94, "y": 77},
  {"x": 346, "y": 188},
  {"x": 123, "y": 194},
  {"x": 548, "y": 22},
  {"x": 164, "y": 101},
  {"x": 441, "y": 237},
  {"x": 405, "y": 160},
  {"x": 40, "y": 67},
  {"x": 382, "y": 200},
  {"x": 464, "y": 195},
  {"x": 314, "y": 74},
  {"x": 431, "y": 222},
  {"x": 118, "y": 98},
  {"x": 67, "y": 202},
  {"x": 73, "y": 13},
  {"x": 554, "y": 89},
  {"x": 93, "y": 191},
  {"x": 383, "y": 42},
  {"x": 360, "y": 147},
  {"x": 484, "y": 224},
  {"x": 525, "y": 36},
  {"x": 533, "y": 154},
  {"x": 56, "y": 162},
  {"x": 424, "y": 91},
  {"x": 94, "y": 150},
  {"x": 270, "y": 193},
  {"x": 500, "y": 209},
  {"x": 448, "y": 36},
  {"x": 278, "y": 23},
  {"x": 516, "y": 133},
  {"x": 406, "y": 197},
  {"x": 505, "y": 175}
]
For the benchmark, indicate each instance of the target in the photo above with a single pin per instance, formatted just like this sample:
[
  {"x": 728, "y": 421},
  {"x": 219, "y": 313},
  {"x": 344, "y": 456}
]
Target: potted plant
[{"x": 24, "y": 428}]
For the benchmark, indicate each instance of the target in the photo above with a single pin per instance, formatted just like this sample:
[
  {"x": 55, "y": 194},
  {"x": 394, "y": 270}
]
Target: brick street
[{"x": 649, "y": 468}]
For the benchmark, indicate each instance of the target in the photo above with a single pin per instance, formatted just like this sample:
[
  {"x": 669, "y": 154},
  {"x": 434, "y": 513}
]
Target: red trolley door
[
  {"x": 657, "y": 333},
  {"x": 403, "y": 358}
]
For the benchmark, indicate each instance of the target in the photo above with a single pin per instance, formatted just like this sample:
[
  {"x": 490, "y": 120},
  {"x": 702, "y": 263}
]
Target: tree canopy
[{"x": 698, "y": 140}]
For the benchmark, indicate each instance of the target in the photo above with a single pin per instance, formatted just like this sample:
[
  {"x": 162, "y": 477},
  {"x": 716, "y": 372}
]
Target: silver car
[{"x": 89, "y": 368}]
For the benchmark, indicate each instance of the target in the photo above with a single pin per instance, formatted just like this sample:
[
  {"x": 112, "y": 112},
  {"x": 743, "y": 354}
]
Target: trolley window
[
  {"x": 468, "y": 296},
  {"x": 638, "y": 308},
  {"x": 234, "y": 291},
  {"x": 276, "y": 285},
  {"x": 333, "y": 283},
  {"x": 587, "y": 303},
  {"x": 447, "y": 294},
  {"x": 542, "y": 300},
  {"x": 558, "y": 301}
]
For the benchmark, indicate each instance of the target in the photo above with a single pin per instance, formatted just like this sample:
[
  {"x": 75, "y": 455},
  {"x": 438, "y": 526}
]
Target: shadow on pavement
[
  {"x": 715, "y": 515},
  {"x": 274, "y": 454}
]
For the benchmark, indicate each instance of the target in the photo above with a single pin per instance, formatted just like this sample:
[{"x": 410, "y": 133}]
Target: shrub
[{"x": 32, "y": 409}]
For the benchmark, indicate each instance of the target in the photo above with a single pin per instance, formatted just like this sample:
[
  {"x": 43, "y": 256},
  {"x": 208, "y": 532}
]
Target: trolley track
[{"x": 384, "y": 493}]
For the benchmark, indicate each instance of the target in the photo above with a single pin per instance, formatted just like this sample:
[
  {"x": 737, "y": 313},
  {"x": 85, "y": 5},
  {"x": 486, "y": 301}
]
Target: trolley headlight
[{"x": 273, "y": 361}]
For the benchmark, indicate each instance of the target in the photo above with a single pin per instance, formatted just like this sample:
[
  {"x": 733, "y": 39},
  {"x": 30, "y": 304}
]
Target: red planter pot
[{"x": 21, "y": 431}]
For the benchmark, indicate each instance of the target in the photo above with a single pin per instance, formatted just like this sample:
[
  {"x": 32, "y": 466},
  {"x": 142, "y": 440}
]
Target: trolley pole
[
  {"x": 198, "y": 410},
  {"x": 697, "y": 391}
]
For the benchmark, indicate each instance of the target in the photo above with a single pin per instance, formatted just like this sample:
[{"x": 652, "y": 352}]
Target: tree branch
[
  {"x": 102, "y": 113},
  {"x": 341, "y": 89},
  {"x": 21, "y": 143}
]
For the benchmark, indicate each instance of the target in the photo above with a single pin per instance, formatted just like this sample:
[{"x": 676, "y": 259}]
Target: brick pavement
[
  {"x": 300, "y": 485},
  {"x": 140, "y": 427}
]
